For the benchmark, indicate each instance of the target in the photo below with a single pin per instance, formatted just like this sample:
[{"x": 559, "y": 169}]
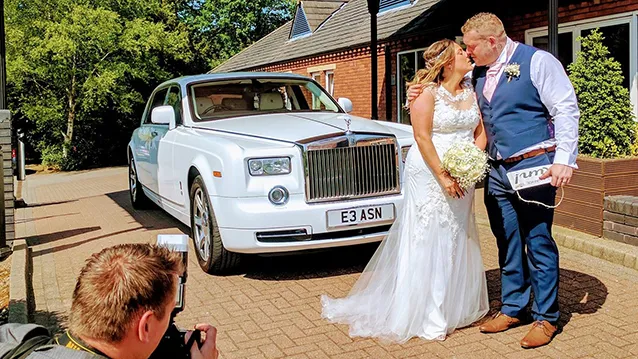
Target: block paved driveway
[{"x": 271, "y": 308}]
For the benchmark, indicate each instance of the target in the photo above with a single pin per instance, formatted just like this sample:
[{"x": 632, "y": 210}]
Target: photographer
[{"x": 121, "y": 309}]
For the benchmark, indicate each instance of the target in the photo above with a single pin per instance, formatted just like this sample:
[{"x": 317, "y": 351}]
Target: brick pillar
[{"x": 7, "y": 176}]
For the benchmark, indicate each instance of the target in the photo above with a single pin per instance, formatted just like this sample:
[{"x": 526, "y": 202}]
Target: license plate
[{"x": 361, "y": 215}]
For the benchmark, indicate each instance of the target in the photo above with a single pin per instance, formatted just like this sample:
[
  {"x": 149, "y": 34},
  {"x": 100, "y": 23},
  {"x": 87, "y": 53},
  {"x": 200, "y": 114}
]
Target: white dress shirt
[{"x": 557, "y": 94}]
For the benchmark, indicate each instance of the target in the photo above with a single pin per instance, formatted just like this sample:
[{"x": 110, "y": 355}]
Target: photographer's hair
[
  {"x": 436, "y": 57},
  {"x": 119, "y": 284},
  {"x": 485, "y": 24}
]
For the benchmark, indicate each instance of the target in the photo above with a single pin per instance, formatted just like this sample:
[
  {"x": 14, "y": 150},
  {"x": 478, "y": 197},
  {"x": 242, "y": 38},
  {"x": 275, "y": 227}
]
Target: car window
[
  {"x": 174, "y": 99},
  {"x": 157, "y": 100},
  {"x": 242, "y": 97}
]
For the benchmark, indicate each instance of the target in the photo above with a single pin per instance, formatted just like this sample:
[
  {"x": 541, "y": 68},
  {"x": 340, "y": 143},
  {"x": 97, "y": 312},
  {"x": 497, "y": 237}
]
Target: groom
[{"x": 531, "y": 117}]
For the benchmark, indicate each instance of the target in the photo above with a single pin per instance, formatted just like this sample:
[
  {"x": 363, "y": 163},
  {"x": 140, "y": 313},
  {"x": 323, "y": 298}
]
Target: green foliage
[
  {"x": 79, "y": 71},
  {"x": 52, "y": 157},
  {"x": 606, "y": 129},
  {"x": 221, "y": 28},
  {"x": 634, "y": 147}
]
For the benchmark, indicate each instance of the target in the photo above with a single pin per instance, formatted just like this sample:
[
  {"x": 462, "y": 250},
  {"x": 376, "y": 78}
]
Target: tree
[
  {"x": 607, "y": 128},
  {"x": 79, "y": 71},
  {"x": 221, "y": 28},
  {"x": 76, "y": 63}
]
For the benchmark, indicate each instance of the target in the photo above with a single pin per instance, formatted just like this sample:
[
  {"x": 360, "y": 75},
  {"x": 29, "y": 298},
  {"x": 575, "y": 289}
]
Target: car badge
[{"x": 348, "y": 120}]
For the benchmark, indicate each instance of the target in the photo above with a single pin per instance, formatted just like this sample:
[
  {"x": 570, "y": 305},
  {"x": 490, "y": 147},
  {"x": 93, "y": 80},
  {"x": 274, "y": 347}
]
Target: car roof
[{"x": 185, "y": 80}]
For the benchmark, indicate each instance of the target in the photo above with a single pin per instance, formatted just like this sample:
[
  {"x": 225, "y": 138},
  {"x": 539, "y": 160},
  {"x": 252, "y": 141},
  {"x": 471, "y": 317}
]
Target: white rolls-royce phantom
[{"x": 265, "y": 163}]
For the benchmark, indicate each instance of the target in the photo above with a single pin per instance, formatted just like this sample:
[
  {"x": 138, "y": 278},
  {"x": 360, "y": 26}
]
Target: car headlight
[
  {"x": 404, "y": 152},
  {"x": 269, "y": 166}
]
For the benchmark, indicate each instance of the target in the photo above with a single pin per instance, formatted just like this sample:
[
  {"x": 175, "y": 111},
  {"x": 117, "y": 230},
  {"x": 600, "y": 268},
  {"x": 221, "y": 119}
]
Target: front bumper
[{"x": 254, "y": 225}]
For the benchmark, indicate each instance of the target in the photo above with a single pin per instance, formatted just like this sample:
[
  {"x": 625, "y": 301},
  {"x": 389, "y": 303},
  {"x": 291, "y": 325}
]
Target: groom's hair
[{"x": 486, "y": 24}]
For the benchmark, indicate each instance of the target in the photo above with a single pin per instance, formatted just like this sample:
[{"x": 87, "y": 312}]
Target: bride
[{"x": 427, "y": 277}]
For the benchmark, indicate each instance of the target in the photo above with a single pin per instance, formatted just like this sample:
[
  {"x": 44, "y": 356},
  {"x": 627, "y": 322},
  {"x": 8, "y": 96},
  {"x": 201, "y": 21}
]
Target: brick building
[{"x": 329, "y": 40}]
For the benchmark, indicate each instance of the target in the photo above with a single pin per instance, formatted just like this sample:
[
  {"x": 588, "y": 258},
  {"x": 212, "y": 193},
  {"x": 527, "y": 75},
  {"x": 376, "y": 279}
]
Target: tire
[
  {"x": 135, "y": 191},
  {"x": 213, "y": 258}
]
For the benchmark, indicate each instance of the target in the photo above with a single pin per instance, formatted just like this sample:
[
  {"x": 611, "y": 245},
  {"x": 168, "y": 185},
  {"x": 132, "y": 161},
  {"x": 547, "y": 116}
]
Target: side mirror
[
  {"x": 345, "y": 104},
  {"x": 164, "y": 115}
]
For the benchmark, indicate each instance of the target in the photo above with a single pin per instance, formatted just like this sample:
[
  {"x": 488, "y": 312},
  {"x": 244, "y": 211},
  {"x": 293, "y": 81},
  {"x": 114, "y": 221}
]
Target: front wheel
[{"x": 213, "y": 258}]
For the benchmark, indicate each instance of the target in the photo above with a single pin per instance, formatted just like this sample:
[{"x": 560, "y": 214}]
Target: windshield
[{"x": 242, "y": 97}]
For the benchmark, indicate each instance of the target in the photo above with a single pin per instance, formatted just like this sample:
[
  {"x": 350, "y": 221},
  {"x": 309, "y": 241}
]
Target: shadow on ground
[
  {"x": 577, "y": 293},
  {"x": 53, "y": 321},
  {"x": 151, "y": 218},
  {"x": 307, "y": 265}
]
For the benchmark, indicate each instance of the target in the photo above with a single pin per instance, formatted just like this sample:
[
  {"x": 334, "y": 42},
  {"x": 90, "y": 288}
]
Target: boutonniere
[{"x": 512, "y": 70}]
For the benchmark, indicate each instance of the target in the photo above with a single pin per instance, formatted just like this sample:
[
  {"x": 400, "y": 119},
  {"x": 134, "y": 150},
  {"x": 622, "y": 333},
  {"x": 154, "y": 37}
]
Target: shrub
[{"x": 607, "y": 128}]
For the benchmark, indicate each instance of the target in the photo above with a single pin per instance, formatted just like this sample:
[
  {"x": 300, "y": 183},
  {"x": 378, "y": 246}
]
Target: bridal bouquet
[{"x": 466, "y": 163}]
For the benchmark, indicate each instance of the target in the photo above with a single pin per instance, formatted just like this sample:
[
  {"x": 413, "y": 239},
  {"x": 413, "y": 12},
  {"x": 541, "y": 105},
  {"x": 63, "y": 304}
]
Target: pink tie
[{"x": 490, "y": 81}]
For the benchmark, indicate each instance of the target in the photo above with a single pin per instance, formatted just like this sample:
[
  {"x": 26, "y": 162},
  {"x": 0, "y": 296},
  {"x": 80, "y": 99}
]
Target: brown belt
[{"x": 529, "y": 154}]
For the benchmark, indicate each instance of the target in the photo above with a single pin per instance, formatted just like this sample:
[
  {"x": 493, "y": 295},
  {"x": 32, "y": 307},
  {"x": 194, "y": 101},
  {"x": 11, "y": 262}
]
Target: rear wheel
[
  {"x": 138, "y": 198},
  {"x": 213, "y": 258}
]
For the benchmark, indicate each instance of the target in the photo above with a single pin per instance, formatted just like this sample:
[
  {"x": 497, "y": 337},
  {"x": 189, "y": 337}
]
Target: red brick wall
[
  {"x": 352, "y": 67},
  {"x": 351, "y": 77},
  {"x": 583, "y": 10}
]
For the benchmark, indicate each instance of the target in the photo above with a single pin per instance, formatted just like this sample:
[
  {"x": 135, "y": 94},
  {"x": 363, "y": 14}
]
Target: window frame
[
  {"x": 178, "y": 116},
  {"x": 146, "y": 119},
  {"x": 576, "y": 28},
  {"x": 316, "y": 76},
  {"x": 401, "y": 101},
  {"x": 330, "y": 88}
]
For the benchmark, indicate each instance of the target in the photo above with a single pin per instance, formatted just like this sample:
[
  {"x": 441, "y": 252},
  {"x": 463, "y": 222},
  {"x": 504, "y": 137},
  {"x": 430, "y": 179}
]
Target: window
[
  {"x": 385, "y": 5},
  {"x": 330, "y": 82},
  {"x": 617, "y": 41},
  {"x": 616, "y": 29},
  {"x": 315, "y": 100},
  {"x": 157, "y": 100},
  {"x": 174, "y": 99},
  {"x": 407, "y": 65},
  {"x": 565, "y": 47},
  {"x": 254, "y": 96}
]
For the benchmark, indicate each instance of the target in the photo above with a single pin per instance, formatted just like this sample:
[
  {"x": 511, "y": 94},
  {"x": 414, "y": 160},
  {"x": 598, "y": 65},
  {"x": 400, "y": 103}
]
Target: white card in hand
[{"x": 528, "y": 177}]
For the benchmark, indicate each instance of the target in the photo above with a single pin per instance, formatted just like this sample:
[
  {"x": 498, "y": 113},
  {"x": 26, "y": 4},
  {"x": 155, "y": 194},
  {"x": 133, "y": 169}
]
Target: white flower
[
  {"x": 512, "y": 70},
  {"x": 466, "y": 163}
]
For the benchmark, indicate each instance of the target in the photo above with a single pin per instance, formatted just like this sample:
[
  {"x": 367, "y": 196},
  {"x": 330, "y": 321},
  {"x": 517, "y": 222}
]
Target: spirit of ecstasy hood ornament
[{"x": 348, "y": 120}]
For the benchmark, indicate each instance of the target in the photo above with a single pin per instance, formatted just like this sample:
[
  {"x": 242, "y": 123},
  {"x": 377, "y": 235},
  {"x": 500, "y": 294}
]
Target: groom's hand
[
  {"x": 414, "y": 91},
  {"x": 561, "y": 174}
]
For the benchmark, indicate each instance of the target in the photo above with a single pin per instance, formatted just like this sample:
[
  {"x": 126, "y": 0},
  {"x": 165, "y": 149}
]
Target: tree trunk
[{"x": 68, "y": 136}]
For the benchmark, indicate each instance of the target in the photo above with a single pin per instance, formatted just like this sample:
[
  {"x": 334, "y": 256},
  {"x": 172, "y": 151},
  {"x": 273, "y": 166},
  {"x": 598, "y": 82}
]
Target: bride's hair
[{"x": 436, "y": 56}]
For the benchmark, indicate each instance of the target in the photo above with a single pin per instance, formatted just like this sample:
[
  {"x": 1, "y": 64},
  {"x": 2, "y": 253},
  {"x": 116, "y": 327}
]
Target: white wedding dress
[{"x": 427, "y": 276}]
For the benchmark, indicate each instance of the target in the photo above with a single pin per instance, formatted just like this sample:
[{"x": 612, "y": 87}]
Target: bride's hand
[{"x": 450, "y": 185}]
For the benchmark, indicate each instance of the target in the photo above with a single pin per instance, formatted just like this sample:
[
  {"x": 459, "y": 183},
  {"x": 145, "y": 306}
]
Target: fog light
[{"x": 278, "y": 195}]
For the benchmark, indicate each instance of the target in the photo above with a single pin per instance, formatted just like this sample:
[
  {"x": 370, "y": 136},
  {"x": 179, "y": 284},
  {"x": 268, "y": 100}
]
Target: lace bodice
[{"x": 458, "y": 114}]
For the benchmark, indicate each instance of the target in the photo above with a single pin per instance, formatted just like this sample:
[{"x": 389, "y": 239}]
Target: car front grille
[{"x": 349, "y": 167}]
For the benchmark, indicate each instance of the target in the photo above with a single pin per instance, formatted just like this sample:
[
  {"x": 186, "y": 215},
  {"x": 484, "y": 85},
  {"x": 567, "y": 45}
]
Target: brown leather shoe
[
  {"x": 501, "y": 322},
  {"x": 541, "y": 334}
]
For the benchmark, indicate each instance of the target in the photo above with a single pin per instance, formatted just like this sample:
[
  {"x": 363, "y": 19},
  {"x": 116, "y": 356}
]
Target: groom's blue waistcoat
[{"x": 515, "y": 118}]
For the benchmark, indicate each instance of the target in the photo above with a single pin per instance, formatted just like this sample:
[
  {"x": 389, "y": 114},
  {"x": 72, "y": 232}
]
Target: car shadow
[
  {"x": 152, "y": 217},
  {"x": 310, "y": 264}
]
